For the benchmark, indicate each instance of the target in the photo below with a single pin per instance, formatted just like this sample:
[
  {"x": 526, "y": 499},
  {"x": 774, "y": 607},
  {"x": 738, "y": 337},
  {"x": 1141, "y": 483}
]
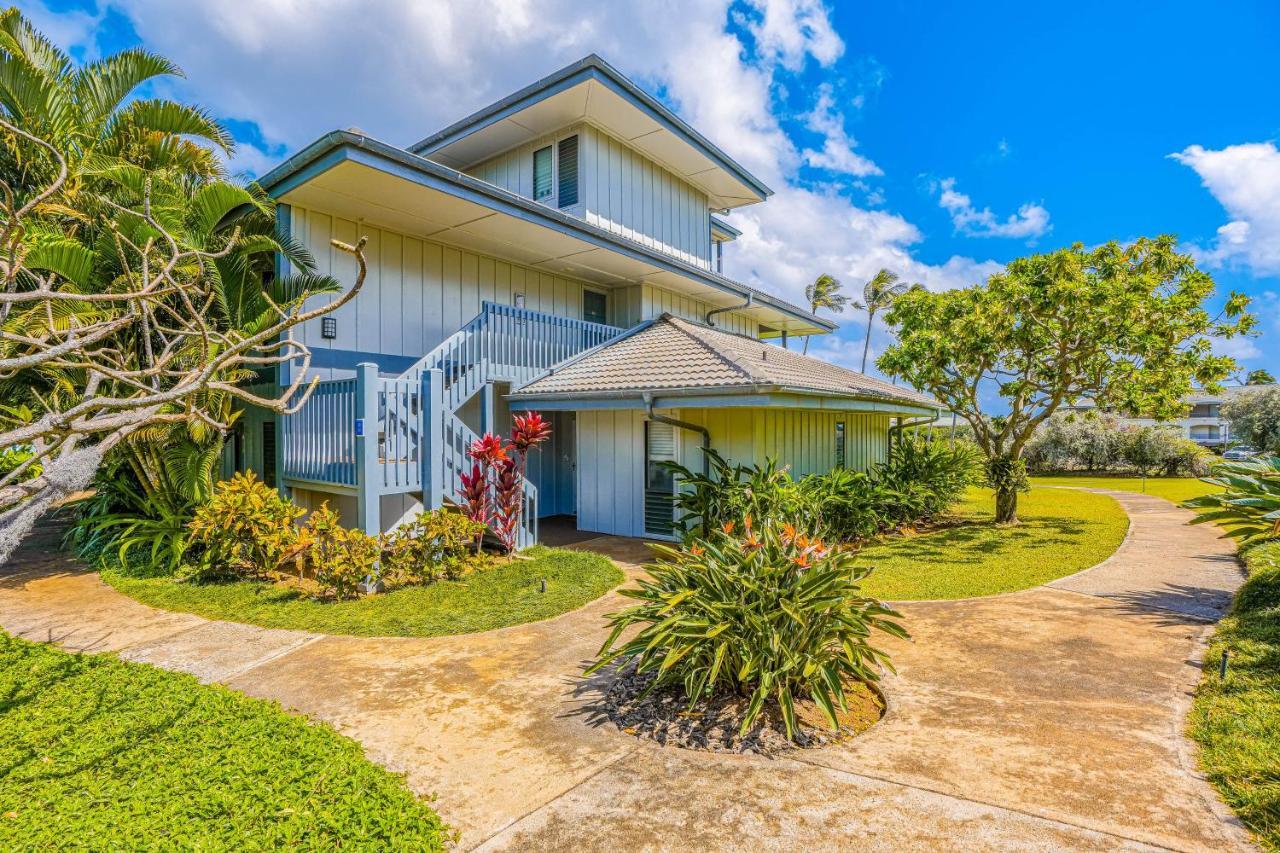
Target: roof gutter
[{"x": 685, "y": 425}]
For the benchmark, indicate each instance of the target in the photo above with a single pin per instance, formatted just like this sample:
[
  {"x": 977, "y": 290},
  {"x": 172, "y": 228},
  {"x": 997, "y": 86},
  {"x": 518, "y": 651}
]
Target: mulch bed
[{"x": 663, "y": 716}]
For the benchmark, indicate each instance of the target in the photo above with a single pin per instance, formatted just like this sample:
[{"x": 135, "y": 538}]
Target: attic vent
[{"x": 567, "y": 156}]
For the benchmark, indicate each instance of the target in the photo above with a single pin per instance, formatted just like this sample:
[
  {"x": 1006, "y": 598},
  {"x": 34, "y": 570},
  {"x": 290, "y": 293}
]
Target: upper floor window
[
  {"x": 555, "y": 173},
  {"x": 568, "y": 168},
  {"x": 542, "y": 180}
]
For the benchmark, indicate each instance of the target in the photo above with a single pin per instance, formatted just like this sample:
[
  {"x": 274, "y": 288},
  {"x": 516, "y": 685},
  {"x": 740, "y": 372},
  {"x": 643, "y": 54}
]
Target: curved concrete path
[{"x": 1045, "y": 719}]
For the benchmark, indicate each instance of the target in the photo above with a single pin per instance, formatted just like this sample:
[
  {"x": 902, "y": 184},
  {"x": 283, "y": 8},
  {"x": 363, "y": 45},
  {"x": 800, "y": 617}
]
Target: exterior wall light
[{"x": 328, "y": 327}]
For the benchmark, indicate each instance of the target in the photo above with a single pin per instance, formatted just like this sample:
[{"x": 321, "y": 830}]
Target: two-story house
[{"x": 562, "y": 251}]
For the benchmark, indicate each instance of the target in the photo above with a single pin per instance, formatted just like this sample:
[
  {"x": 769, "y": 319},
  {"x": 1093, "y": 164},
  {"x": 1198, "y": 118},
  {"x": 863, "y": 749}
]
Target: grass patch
[
  {"x": 1062, "y": 532},
  {"x": 494, "y": 598},
  {"x": 103, "y": 754},
  {"x": 1236, "y": 722},
  {"x": 1175, "y": 489}
]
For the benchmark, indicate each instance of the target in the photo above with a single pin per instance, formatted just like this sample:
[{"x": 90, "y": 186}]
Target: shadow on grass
[{"x": 976, "y": 542}]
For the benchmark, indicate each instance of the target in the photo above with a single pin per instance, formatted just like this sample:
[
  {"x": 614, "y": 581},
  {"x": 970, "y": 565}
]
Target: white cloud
[
  {"x": 71, "y": 28},
  {"x": 1245, "y": 179},
  {"x": 837, "y": 152},
  {"x": 1031, "y": 220},
  {"x": 402, "y": 70}
]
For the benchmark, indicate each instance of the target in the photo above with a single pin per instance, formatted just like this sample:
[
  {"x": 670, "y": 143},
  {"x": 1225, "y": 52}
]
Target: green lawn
[
  {"x": 97, "y": 753},
  {"x": 509, "y": 594},
  {"x": 1062, "y": 532},
  {"x": 1237, "y": 721},
  {"x": 1176, "y": 489}
]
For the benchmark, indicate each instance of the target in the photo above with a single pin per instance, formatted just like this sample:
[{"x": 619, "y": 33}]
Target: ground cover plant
[
  {"x": 551, "y": 582},
  {"x": 106, "y": 754},
  {"x": 968, "y": 554},
  {"x": 756, "y": 609},
  {"x": 1236, "y": 720}
]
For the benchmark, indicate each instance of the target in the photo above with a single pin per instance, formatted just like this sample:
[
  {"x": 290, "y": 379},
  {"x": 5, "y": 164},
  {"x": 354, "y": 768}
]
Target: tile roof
[{"x": 670, "y": 353}]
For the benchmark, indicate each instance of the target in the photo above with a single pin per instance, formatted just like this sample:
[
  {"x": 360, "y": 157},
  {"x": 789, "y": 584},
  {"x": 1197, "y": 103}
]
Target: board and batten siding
[
  {"x": 619, "y": 190},
  {"x": 611, "y": 471},
  {"x": 638, "y": 302},
  {"x": 803, "y": 439},
  {"x": 417, "y": 292},
  {"x": 611, "y": 452}
]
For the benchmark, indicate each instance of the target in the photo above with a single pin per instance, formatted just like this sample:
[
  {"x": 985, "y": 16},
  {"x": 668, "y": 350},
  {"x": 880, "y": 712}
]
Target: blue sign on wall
[{"x": 359, "y": 427}]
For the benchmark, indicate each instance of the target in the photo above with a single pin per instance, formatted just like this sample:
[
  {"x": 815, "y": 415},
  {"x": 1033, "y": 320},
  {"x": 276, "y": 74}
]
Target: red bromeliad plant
[{"x": 493, "y": 492}]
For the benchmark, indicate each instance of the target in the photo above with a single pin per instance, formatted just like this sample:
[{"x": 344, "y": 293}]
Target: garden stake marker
[{"x": 1222, "y": 666}]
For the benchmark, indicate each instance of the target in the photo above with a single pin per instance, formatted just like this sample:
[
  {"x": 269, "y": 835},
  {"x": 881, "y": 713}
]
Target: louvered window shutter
[{"x": 568, "y": 163}]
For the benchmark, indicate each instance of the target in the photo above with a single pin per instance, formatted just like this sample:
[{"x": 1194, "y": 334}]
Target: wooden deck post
[
  {"x": 368, "y": 479},
  {"x": 431, "y": 407}
]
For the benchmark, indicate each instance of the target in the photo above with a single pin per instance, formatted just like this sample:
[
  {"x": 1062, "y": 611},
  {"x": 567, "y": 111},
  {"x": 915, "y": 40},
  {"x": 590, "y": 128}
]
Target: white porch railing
[{"x": 376, "y": 436}]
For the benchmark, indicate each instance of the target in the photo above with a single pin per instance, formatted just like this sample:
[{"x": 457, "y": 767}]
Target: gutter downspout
[
  {"x": 678, "y": 424},
  {"x": 751, "y": 299}
]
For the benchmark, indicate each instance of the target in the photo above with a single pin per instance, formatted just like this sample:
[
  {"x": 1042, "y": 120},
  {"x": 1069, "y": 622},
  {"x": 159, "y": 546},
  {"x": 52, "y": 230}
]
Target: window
[
  {"x": 567, "y": 183},
  {"x": 839, "y": 444},
  {"x": 542, "y": 183},
  {"x": 594, "y": 307},
  {"x": 720, "y": 256},
  {"x": 659, "y": 482}
]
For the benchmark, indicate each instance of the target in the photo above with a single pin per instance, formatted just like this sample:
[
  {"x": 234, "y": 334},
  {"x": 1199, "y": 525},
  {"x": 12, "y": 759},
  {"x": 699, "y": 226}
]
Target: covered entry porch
[{"x": 668, "y": 388}]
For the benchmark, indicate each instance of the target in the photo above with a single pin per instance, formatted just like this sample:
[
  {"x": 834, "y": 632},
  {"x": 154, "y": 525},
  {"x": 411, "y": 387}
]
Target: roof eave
[
  {"x": 590, "y": 66},
  {"x": 294, "y": 171},
  {"x": 742, "y": 392}
]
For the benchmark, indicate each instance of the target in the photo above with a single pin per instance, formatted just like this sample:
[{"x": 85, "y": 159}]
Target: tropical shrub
[
  {"x": 930, "y": 476},
  {"x": 434, "y": 546},
  {"x": 1248, "y": 508},
  {"x": 493, "y": 491},
  {"x": 848, "y": 505},
  {"x": 121, "y": 521},
  {"x": 337, "y": 557},
  {"x": 706, "y": 502},
  {"x": 765, "y": 612},
  {"x": 245, "y": 530}
]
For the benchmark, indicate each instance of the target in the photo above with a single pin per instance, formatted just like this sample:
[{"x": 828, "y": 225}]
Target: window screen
[
  {"x": 568, "y": 181},
  {"x": 542, "y": 173},
  {"x": 840, "y": 455}
]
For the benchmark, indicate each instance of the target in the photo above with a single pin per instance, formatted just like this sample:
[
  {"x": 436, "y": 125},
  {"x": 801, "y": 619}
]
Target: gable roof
[
  {"x": 593, "y": 90},
  {"x": 670, "y": 356}
]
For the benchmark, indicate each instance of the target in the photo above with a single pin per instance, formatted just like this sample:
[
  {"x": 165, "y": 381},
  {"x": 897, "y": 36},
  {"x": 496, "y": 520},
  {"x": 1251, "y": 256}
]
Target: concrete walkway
[{"x": 1045, "y": 719}]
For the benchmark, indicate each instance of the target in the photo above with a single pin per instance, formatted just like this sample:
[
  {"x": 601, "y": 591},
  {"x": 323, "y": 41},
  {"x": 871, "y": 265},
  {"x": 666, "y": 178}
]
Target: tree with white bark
[{"x": 110, "y": 320}]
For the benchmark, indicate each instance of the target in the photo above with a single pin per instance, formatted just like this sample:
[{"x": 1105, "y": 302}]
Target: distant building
[{"x": 1203, "y": 423}]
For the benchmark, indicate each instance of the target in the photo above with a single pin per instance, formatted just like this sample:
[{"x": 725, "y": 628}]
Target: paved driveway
[{"x": 1045, "y": 719}]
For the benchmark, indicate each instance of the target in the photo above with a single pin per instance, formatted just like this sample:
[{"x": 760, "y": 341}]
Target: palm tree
[
  {"x": 86, "y": 112},
  {"x": 878, "y": 295},
  {"x": 824, "y": 293}
]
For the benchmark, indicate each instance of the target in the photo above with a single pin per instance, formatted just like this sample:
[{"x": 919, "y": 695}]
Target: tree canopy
[
  {"x": 1123, "y": 325},
  {"x": 1253, "y": 416}
]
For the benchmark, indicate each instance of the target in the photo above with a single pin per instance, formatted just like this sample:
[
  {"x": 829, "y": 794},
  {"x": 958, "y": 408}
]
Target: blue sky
[{"x": 937, "y": 139}]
